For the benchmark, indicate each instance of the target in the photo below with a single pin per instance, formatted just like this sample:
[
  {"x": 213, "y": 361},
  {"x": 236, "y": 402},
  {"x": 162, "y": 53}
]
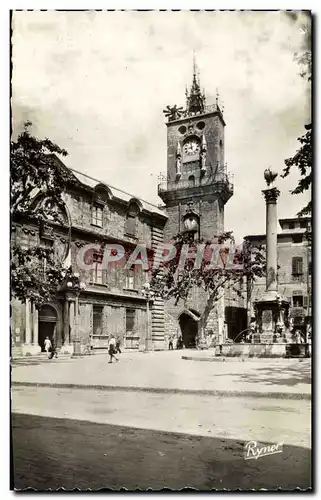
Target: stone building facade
[
  {"x": 194, "y": 191},
  {"x": 294, "y": 268},
  {"x": 112, "y": 301}
]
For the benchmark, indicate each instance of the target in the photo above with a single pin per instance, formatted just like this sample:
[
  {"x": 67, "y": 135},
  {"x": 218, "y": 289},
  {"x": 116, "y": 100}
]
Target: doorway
[
  {"x": 47, "y": 325},
  {"x": 189, "y": 329}
]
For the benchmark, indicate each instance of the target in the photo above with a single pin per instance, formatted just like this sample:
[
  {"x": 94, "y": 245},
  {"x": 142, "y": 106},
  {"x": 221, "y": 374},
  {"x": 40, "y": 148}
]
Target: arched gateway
[
  {"x": 188, "y": 322},
  {"x": 47, "y": 324}
]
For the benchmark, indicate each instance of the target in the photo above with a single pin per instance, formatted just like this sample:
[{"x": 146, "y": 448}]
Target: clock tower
[
  {"x": 197, "y": 184},
  {"x": 195, "y": 191}
]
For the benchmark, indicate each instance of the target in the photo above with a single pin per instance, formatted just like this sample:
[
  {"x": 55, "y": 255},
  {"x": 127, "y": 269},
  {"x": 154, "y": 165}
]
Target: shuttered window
[
  {"x": 297, "y": 265},
  {"x": 98, "y": 320},
  {"x": 130, "y": 225},
  {"x": 130, "y": 319}
]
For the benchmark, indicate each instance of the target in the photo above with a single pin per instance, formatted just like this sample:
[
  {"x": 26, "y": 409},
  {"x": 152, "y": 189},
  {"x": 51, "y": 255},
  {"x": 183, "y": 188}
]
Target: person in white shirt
[
  {"x": 112, "y": 349},
  {"x": 47, "y": 344}
]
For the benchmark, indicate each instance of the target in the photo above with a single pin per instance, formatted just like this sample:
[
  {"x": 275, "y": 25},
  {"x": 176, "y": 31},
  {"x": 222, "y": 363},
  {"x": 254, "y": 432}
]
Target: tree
[
  {"x": 35, "y": 170},
  {"x": 174, "y": 280},
  {"x": 303, "y": 157}
]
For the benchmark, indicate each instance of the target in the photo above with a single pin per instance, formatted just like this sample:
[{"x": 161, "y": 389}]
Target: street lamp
[
  {"x": 77, "y": 287},
  {"x": 148, "y": 294}
]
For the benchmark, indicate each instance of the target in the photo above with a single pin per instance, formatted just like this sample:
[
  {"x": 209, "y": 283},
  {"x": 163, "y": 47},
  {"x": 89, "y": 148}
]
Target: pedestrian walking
[
  {"x": 53, "y": 352},
  {"x": 112, "y": 349},
  {"x": 170, "y": 342},
  {"x": 118, "y": 345},
  {"x": 47, "y": 344},
  {"x": 180, "y": 342}
]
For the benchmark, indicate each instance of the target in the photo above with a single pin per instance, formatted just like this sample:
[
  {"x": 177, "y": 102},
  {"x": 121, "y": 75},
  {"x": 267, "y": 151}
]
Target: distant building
[
  {"x": 294, "y": 267},
  {"x": 112, "y": 302}
]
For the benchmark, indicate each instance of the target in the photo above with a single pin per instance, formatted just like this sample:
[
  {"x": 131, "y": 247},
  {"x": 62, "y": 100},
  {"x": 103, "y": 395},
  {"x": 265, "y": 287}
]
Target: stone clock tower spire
[
  {"x": 196, "y": 170},
  {"x": 195, "y": 192}
]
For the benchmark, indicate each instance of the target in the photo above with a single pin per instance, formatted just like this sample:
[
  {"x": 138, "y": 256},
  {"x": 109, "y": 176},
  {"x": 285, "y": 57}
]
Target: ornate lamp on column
[
  {"x": 74, "y": 284},
  {"x": 148, "y": 294}
]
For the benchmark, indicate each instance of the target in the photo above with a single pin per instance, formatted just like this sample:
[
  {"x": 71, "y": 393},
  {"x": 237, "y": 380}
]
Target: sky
[{"x": 96, "y": 83}]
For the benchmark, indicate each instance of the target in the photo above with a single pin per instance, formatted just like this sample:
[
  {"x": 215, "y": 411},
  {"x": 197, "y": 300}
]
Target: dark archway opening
[
  {"x": 189, "y": 329},
  {"x": 236, "y": 320},
  {"x": 47, "y": 325}
]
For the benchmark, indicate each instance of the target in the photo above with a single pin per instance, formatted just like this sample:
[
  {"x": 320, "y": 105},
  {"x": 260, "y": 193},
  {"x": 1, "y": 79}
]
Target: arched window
[{"x": 191, "y": 180}]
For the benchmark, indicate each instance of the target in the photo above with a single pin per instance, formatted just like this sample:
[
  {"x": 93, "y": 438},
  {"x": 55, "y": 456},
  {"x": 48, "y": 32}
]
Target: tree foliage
[
  {"x": 176, "y": 278},
  {"x": 303, "y": 156},
  {"x": 303, "y": 161},
  {"x": 34, "y": 170}
]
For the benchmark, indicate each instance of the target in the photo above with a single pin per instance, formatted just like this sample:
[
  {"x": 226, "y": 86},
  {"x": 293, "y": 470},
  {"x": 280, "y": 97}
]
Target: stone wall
[{"x": 114, "y": 219}]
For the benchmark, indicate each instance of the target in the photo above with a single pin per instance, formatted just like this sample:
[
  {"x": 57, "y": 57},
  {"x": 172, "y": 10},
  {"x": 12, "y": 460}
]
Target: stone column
[
  {"x": 30, "y": 346},
  {"x": 66, "y": 323},
  {"x": 72, "y": 320},
  {"x": 28, "y": 326},
  {"x": 271, "y": 196},
  {"x": 35, "y": 326},
  {"x": 272, "y": 307}
]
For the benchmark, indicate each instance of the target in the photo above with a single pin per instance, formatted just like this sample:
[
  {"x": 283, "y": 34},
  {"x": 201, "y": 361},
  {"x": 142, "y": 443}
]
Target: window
[
  {"x": 297, "y": 238},
  {"x": 298, "y": 301},
  {"x": 130, "y": 320},
  {"x": 97, "y": 273},
  {"x": 291, "y": 225},
  {"x": 191, "y": 180},
  {"x": 130, "y": 225},
  {"x": 131, "y": 218},
  {"x": 130, "y": 279},
  {"x": 47, "y": 244},
  {"x": 310, "y": 268},
  {"x": 98, "y": 320},
  {"x": 97, "y": 215},
  {"x": 303, "y": 224},
  {"x": 297, "y": 266}
]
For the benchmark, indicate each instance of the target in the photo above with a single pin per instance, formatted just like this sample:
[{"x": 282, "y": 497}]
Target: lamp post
[
  {"x": 148, "y": 294},
  {"x": 77, "y": 287}
]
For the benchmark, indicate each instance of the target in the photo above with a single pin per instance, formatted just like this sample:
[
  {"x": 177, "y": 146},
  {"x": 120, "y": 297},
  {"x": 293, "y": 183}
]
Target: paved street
[
  {"x": 87, "y": 438},
  {"x": 167, "y": 370},
  {"x": 143, "y": 428},
  {"x": 266, "y": 419}
]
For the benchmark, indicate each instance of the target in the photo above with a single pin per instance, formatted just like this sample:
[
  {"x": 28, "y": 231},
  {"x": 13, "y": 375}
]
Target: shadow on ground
[
  {"x": 54, "y": 453},
  {"x": 275, "y": 375},
  {"x": 281, "y": 375}
]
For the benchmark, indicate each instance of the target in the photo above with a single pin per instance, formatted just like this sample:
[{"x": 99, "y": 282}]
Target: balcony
[
  {"x": 222, "y": 182},
  {"x": 224, "y": 179}
]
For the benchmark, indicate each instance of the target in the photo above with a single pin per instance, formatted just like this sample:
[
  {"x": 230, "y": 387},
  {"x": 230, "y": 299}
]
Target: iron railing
[{"x": 220, "y": 178}]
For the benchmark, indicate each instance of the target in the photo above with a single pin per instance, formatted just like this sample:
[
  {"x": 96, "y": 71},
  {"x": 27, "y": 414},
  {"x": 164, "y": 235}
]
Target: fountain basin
[{"x": 279, "y": 350}]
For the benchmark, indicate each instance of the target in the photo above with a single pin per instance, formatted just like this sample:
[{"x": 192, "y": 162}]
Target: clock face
[{"x": 191, "y": 147}]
